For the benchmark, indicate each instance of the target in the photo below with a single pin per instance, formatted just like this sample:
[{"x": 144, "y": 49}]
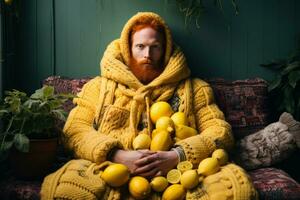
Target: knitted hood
[{"x": 114, "y": 64}]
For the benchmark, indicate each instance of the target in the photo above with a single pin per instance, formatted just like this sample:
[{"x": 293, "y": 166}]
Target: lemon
[
  {"x": 165, "y": 123},
  {"x": 142, "y": 141},
  {"x": 174, "y": 192},
  {"x": 154, "y": 132},
  {"x": 161, "y": 142},
  {"x": 179, "y": 118},
  {"x": 173, "y": 176},
  {"x": 139, "y": 187},
  {"x": 115, "y": 175},
  {"x": 221, "y": 155},
  {"x": 184, "y": 166},
  {"x": 183, "y": 132},
  {"x": 189, "y": 179},
  {"x": 208, "y": 166},
  {"x": 159, "y": 183},
  {"x": 160, "y": 109}
]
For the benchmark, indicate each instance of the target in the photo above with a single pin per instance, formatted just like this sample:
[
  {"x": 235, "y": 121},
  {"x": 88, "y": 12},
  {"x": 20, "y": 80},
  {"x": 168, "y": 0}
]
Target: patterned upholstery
[
  {"x": 274, "y": 184},
  {"x": 244, "y": 104},
  {"x": 18, "y": 189},
  {"x": 66, "y": 85}
]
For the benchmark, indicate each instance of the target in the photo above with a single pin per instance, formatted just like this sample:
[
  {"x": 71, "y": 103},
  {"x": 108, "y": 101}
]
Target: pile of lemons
[{"x": 170, "y": 127}]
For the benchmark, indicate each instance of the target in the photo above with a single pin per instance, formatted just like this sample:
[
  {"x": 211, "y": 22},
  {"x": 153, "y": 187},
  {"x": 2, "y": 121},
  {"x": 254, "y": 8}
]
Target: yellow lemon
[
  {"x": 189, "y": 179},
  {"x": 221, "y": 155},
  {"x": 160, "y": 109},
  {"x": 208, "y": 166},
  {"x": 139, "y": 187},
  {"x": 154, "y": 132},
  {"x": 179, "y": 118},
  {"x": 159, "y": 183},
  {"x": 142, "y": 141},
  {"x": 173, "y": 176},
  {"x": 183, "y": 132},
  {"x": 184, "y": 166},
  {"x": 165, "y": 123},
  {"x": 161, "y": 142},
  {"x": 115, "y": 175},
  {"x": 174, "y": 192}
]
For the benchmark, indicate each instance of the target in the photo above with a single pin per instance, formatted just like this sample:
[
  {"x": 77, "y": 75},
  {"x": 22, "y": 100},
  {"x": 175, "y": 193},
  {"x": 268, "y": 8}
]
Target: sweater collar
[{"x": 113, "y": 67}]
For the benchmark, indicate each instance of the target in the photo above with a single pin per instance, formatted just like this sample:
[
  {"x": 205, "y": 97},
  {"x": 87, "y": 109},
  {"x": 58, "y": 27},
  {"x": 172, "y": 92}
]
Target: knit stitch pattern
[
  {"x": 230, "y": 183},
  {"x": 110, "y": 108}
]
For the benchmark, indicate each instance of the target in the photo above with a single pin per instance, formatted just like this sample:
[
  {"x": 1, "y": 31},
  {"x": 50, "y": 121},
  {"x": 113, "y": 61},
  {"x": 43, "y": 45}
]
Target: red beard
[{"x": 145, "y": 70}]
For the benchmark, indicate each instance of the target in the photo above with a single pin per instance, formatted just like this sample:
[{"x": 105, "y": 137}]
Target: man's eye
[{"x": 140, "y": 46}]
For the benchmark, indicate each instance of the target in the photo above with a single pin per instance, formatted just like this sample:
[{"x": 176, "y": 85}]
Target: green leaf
[
  {"x": 274, "y": 84},
  {"x": 6, "y": 145},
  {"x": 55, "y": 103},
  {"x": 274, "y": 64},
  {"x": 235, "y": 7},
  {"x": 21, "y": 142},
  {"x": 289, "y": 101},
  {"x": 290, "y": 67},
  {"x": 43, "y": 93},
  {"x": 59, "y": 114},
  {"x": 15, "y": 105},
  {"x": 3, "y": 111},
  {"x": 38, "y": 94},
  {"x": 30, "y": 103},
  {"x": 48, "y": 91},
  {"x": 294, "y": 77}
]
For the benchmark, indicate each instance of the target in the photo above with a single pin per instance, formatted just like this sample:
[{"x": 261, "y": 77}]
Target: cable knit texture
[
  {"x": 230, "y": 183},
  {"x": 274, "y": 143},
  {"x": 109, "y": 109}
]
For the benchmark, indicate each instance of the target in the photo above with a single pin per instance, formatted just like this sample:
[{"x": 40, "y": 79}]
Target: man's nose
[{"x": 147, "y": 53}]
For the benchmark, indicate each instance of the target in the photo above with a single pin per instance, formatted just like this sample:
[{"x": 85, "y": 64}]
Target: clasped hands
[{"x": 147, "y": 163}]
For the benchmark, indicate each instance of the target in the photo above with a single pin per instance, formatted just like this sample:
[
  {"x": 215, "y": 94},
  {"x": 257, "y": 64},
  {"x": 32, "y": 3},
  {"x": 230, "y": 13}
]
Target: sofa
[{"x": 246, "y": 108}]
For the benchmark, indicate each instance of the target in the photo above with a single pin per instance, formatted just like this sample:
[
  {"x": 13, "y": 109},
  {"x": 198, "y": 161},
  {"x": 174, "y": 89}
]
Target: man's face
[
  {"x": 147, "y": 50},
  {"x": 147, "y": 47}
]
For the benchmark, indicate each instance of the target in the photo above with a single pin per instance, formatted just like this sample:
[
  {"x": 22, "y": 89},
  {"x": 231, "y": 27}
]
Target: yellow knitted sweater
[{"x": 110, "y": 107}]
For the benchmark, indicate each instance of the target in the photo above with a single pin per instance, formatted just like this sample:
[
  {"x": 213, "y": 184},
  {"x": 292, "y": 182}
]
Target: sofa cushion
[
  {"x": 12, "y": 188},
  {"x": 66, "y": 85},
  {"x": 244, "y": 103},
  {"x": 272, "y": 183}
]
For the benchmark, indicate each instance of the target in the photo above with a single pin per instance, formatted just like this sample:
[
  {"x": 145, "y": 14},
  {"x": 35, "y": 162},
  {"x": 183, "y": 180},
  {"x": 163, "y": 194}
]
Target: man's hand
[
  {"x": 128, "y": 158},
  {"x": 157, "y": 164}
]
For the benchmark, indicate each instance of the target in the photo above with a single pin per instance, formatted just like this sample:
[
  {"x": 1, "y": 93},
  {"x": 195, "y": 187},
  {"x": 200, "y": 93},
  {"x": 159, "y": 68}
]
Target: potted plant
[
  {"x": 284, "y": 90},
  {"x": 29, "y": 131}
]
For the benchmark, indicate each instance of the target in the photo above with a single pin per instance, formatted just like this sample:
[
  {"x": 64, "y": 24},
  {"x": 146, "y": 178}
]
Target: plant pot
[{"x": 37, "y": 162}]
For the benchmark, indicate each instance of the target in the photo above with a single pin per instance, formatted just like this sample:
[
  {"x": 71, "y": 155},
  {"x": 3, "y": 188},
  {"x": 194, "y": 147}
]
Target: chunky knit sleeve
[
  {"x": 79, "y": 133},
  {"x": 214, "y": 131}
]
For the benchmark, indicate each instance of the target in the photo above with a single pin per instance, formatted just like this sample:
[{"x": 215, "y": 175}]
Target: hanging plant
[{"x": 194, "y": 9}]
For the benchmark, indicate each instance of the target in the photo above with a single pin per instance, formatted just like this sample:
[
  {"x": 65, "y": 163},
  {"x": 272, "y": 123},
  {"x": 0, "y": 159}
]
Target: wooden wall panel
[{"x": 68, "y": 37}]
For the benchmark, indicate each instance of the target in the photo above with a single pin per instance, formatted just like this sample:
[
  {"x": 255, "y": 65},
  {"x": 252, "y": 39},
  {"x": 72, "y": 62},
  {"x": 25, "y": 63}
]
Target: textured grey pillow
[{"x": 274, "y": 143}]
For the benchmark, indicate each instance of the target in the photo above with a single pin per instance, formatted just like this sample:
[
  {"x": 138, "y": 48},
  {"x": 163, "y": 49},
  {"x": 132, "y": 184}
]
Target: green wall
[{"x": 68, "y": 37}]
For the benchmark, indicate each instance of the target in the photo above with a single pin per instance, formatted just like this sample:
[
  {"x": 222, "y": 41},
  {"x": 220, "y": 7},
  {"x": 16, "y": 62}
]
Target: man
[{"x": 140, "y": 68}]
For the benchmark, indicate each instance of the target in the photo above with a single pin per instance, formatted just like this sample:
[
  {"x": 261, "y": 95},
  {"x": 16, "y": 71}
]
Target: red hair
[{"x": 145, "y": 22}]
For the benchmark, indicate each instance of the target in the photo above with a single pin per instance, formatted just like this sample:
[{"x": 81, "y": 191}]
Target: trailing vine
[{"x": 194, "y": 9}]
